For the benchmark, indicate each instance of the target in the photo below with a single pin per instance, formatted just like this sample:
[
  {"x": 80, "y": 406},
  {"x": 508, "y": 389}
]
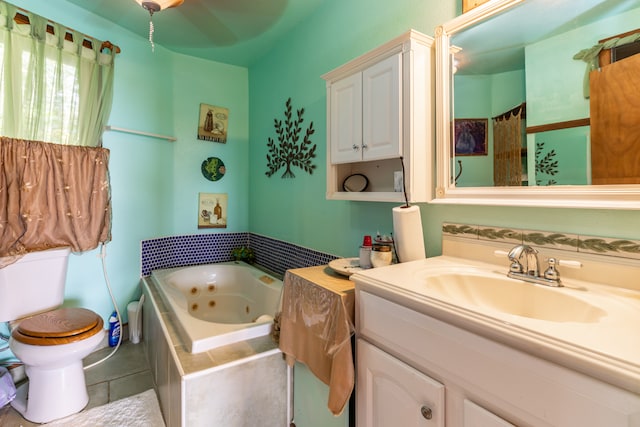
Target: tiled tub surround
[
  {"x": 238, "y": 384},
  {"x": 274, "y": 255},
  {"x": 479, "y": 241},
  {"x": 248, "y": 376}
]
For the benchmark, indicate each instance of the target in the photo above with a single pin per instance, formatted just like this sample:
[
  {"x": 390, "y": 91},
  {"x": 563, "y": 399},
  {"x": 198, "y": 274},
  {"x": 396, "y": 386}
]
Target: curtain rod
[
  {"x": 86, "y": 42},
  {"x": 137, "y": 132},
  {"x": 514, "y": 111}
]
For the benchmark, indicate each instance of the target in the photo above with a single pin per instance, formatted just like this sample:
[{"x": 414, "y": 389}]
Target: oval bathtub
[{"x": 219, "y": 304}]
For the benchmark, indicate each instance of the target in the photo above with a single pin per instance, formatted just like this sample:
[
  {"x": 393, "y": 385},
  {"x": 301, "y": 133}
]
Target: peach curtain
[{"x": 52, "y": 195}]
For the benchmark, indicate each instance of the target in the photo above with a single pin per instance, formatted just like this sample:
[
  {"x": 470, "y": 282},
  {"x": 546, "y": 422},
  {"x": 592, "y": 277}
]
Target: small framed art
[
  {"x": 212, "y": 210},
  {"x": 213, "y": 123},
  {"x": 470, "y": 137}
]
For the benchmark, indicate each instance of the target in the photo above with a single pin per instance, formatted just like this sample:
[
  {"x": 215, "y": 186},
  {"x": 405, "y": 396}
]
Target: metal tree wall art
[{"x": 290, "y": 151}]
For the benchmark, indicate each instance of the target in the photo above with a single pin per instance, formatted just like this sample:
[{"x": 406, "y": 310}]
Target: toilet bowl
[
  {"x": 52, "y": 345},
  {"x": 51, "y": 342}
]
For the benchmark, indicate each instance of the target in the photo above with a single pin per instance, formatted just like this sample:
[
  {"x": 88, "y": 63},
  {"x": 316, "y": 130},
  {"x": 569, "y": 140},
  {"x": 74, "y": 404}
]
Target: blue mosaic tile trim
[
  {"x": 279, "y": 256},
  {"x": 177, "y": 251}
]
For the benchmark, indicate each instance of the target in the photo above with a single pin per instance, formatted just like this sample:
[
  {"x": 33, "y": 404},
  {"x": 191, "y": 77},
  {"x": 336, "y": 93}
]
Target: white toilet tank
[{"x": 34, "y": 284}]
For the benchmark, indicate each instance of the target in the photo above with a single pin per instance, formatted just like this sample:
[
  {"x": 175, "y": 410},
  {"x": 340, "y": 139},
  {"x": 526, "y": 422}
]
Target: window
[{"x": 53, "y": 88}]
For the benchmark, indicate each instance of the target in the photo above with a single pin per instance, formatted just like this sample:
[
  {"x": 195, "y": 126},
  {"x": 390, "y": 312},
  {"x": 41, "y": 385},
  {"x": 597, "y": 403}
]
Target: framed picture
[
  {"x": 467, "y": 5},
  {"x": 470, "y": 137},
  {"x": 213, "y": 123},
  {"x": 212, "y": 210}
]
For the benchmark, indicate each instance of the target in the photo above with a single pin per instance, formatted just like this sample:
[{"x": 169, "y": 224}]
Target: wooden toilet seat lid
[{"x": 59, "y": 326}]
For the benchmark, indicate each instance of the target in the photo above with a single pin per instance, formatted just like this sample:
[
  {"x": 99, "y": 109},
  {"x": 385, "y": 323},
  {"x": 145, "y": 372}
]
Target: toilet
[{"x": 50, "y": 341}]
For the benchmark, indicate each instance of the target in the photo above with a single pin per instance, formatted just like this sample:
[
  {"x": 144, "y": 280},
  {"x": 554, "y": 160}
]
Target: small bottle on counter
[{"x": 365, "y": 252}]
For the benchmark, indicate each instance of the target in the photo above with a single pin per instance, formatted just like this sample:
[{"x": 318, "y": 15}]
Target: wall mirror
[{"x": 520, "y": 120}]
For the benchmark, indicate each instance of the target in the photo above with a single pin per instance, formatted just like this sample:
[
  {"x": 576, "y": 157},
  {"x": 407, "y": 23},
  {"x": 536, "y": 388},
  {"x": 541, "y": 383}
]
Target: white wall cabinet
[
  {"x": 486, "y": 383},
  {"x": 366, "y": 113},
  {"x": 379, "y": 112}
]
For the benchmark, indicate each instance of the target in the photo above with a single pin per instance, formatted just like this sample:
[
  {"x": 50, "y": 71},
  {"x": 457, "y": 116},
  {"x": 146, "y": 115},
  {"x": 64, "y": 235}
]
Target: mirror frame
[{"x": 568, "y": 196}]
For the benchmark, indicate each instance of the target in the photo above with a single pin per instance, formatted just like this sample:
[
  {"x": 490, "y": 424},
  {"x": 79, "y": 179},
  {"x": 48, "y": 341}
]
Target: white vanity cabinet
[
  {"x": 407, "y": 359},
  {"x": 379, "y": 111}
]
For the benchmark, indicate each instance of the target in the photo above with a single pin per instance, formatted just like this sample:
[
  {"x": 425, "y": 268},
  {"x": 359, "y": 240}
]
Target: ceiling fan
[
  {"x": 231, "y": 31},
  {"x": 156, "y": 6},
  {"x": 218, "y": 22}
]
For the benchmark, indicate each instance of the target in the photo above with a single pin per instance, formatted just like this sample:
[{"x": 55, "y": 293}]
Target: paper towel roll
[{"x": 407, "y": 233}]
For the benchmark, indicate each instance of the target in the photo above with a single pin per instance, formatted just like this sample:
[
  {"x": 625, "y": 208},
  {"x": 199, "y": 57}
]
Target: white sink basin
[{"x": 511, "y": 296}]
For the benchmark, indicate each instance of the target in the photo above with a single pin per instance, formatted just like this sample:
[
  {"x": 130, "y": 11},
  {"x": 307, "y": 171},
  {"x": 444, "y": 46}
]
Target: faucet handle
[
  {"x": 552, "y": 273},
  {"x": 568, "y": 263}
]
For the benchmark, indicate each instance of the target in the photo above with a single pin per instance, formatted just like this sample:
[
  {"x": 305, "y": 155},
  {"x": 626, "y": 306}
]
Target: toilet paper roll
[{"x": 407, "y": 233}]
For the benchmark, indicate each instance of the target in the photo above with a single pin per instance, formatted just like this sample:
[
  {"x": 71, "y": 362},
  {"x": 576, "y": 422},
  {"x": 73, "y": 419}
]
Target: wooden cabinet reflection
[{"x": 615, "y": 122}]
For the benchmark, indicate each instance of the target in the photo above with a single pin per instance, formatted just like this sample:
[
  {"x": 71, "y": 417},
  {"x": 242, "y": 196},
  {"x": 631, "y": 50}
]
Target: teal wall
[
  {"x": 554, "y": 93},
  {"x": 295, "y": 209},
  {"x": 571, "y": 149}
]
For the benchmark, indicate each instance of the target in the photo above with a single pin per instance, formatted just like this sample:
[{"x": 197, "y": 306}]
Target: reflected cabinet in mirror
[{"x": 538, "y": 104}]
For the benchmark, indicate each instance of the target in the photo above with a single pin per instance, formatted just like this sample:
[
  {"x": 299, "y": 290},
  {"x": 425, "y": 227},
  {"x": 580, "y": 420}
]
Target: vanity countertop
[{"x": 605, "y": 346}]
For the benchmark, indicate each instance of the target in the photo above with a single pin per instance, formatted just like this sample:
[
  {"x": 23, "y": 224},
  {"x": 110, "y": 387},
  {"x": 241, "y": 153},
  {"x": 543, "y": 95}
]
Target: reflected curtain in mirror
[
  {"x": 52, "y": 195},
  {"x": 507, "y": 148}
]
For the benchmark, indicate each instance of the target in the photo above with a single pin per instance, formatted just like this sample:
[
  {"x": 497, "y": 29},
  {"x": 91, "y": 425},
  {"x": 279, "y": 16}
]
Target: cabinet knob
[
  {"x": 365, "y": 146},
  {"x": 355, "y": 147},
  {"x": 426, "y": 412}
]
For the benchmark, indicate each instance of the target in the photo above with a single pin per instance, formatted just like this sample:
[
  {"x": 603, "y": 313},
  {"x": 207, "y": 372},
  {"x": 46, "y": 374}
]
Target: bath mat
[{"x": 140, "y": 410}]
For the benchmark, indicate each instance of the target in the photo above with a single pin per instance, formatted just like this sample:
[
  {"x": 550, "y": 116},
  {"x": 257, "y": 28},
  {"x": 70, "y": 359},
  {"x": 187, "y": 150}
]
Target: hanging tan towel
[{"x": 316, "y": 328}]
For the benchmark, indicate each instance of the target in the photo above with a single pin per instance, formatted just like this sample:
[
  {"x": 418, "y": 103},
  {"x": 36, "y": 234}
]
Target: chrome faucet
[
  {"x": 530, "y": 272},
  {"x": 531, "y": 258}
]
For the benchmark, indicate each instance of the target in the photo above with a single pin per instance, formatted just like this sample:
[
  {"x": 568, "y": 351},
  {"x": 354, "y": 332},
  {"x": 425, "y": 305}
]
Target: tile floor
[{"x": 124, "y": 374}]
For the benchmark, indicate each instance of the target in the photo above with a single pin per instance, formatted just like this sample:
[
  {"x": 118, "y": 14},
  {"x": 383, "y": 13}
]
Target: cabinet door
[
  {"x": 346, "y": 119},
  {"x": 391, "y": 393},
  {"x": 382, "y": 109}
]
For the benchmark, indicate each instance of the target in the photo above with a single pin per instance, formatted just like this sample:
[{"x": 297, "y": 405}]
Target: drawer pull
[{"x": 426, "y": 412}]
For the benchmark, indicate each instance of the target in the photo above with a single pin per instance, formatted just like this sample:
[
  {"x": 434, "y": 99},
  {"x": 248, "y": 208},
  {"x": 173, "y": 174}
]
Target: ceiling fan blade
[
  {"x": 192, "y": 25},
  {"x": 218, "y": 23}
]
